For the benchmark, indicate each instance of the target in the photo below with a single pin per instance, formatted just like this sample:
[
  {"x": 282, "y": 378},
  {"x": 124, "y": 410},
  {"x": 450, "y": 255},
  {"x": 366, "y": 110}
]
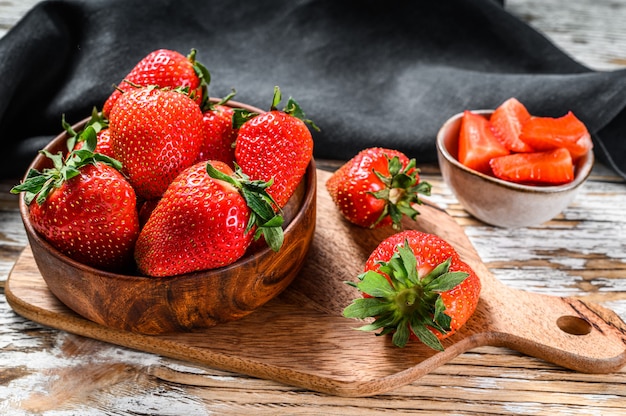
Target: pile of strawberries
[
  {"x": 166, "y": 181},
  {"x": 516, "y": 146}
]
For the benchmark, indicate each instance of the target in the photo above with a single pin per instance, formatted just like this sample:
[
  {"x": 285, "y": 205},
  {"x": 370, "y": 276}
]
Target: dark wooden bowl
[{"x": 185, "y": 302}]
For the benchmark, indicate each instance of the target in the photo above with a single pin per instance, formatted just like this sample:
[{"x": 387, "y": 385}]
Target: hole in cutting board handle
[{"x": 573, "y": 325}]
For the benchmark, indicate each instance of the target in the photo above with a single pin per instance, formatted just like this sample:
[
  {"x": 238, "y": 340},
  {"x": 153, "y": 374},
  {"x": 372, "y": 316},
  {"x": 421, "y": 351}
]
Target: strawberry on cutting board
[
  {"x": 166, "y": 69},
  {"x": 84, "y": 207},
  {"x": 416, "y": 287},
  {"x": 275, "y": 146},
  {"x": 377, "y": 187},
  {"x": 477, "y": 143},
  {"x": 156, "y": 133},
  {"x": 207, "y": 218}
]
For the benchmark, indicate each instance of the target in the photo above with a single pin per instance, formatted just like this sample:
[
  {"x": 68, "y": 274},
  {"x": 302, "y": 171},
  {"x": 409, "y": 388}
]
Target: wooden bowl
[
  {"x": 498, "y": 202},
  {"x": 185, "y": 302}
]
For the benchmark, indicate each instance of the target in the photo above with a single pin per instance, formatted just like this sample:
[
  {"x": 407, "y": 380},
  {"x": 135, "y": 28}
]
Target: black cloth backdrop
[{"x": 368, "y": 72}]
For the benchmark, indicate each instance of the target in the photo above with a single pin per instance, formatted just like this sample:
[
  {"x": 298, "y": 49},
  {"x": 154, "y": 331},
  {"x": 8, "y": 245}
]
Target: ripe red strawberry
[
  {"x": 203, "y": 221},
  {"x": 166, "y": 69},
  {"x": 416, "y": 286},
  {"x": 275, "y": 146},
  {"x": 97, "y": 125},
  {"x": 220, "y": 136},
  {"x": 156, "y": 134},
  {"x": 552, "y": 167},
  {"x": 376, "y": 187},
  {"x": 507, "y": 121},
  {"x": 84, "y": 207},
  {"x": 477, "y": 143},
  {"x": 547, "y": 133}
]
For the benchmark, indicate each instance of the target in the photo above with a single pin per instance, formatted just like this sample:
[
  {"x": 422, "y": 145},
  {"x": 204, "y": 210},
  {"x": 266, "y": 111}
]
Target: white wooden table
[{"x": 581, "y": 253}]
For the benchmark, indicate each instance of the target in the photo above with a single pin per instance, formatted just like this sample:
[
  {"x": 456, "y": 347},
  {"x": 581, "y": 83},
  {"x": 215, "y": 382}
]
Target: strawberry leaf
[
  {"x": 264, "y": 212},
  {"x": 401, "y": 301},
  {"x": 401, "y": 191}
]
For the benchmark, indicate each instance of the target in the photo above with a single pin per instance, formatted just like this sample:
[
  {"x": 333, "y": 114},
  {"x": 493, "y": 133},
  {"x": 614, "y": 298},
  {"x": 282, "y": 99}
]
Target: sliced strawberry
[
  {"x": 546, "y": 133},
  {"x": 552, "y": 167},
  {"x": 507, "y": 122},
  {"x": 477, "y": 143}
]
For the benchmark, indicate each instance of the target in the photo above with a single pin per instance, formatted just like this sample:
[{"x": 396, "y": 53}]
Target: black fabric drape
[{"x": 367, "y": 72}]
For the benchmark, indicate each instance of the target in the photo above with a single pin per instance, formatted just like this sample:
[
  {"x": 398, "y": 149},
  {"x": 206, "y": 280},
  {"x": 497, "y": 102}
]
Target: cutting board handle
[{"x": 566, "y": 331}]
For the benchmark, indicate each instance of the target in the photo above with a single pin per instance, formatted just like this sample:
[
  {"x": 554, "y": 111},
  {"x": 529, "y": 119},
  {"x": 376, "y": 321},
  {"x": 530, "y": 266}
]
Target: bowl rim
[
  {"x": 308, "y": 199},
  {"x": 583, "y": 168}
]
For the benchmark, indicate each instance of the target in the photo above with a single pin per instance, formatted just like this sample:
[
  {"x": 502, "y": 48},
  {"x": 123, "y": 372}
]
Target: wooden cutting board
[{"x": 301, "y": 339}]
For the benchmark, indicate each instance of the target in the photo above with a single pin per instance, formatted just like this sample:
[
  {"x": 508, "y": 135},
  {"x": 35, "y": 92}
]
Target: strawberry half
[
  {"x": 553, "y": 167},
  {"x": 547, "y": 133},
  {"x": 84, "y": 207},
  {"x": 478, "y": 143},
  {"x": 164, "y": 68},
  {"x": 377, "y": 187},
  {"x": 415, "y": 286},
  {"x": 507, "y": 121}
]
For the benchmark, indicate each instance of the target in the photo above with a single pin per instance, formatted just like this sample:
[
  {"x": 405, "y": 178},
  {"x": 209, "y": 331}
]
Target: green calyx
[
  {"x": 263, "y": 208},
  {"x": 201, "y": 71},
  {"x": 39, "y": 184},
  {"x": 401, "y": 191},
  {"x": 406, "y": 302},
  {"x": 292, "y": 108}
]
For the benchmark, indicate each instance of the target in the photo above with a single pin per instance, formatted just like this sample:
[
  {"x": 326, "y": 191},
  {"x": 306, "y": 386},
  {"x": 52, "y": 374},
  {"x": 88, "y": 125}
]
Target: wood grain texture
[
  {"x": 306, "y": 342},
  {"x": 581, "y": 254}
]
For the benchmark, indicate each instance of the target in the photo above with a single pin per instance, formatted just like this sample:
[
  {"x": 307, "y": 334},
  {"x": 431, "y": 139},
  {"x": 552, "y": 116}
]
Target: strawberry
[
  {"x": 84, "y": 207},
  {"x": 220, "y": 136},
  {"x": 275, "y": 146},
  {"x": 477, "y": 143},
  {"x": 507, "y": 121},
  {"x": 415, "y": 286},
  {"x": 166, "y": 69},
  {"x": 376, "y": 187},
  {"x": 156, "y": 134},
  {"x": 207, "y": 218},
  {"x": 552, "y": 167},
  {"x": 100, "y": 127},
  {"x": 547, "y": 133}
]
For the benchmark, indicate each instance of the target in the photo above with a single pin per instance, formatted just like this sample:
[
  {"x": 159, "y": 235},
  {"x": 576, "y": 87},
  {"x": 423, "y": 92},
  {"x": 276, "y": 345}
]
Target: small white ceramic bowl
[{"x": 498, "y": 202}]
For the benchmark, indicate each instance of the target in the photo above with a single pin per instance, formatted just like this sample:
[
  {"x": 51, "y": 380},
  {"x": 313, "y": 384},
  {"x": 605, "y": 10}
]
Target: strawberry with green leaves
[
  {"x": 84, "y": 206},
  {"x": 156, "y": 134},
  {"x": 207, "y": 218},
  {"x": 166, "y": 69},
  {"x": 415, "y": 286},
  {"x": 377, "y": 187},
  {"x": 100, "y": 126},
  {"x": 275, "y": 146},
  {"x": 220, "y": 135}
]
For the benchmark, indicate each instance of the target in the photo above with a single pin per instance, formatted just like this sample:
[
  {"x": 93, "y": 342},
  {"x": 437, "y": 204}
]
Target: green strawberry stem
[
  {"x": 292, "y": 108},
  {"x": 401, "y": 191},
  {"x": 97, "y": 122},
  {"x": 39, "y": 184},
  {"x": 406, "y": 302},
  {"x": 263, "y": 208}
]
